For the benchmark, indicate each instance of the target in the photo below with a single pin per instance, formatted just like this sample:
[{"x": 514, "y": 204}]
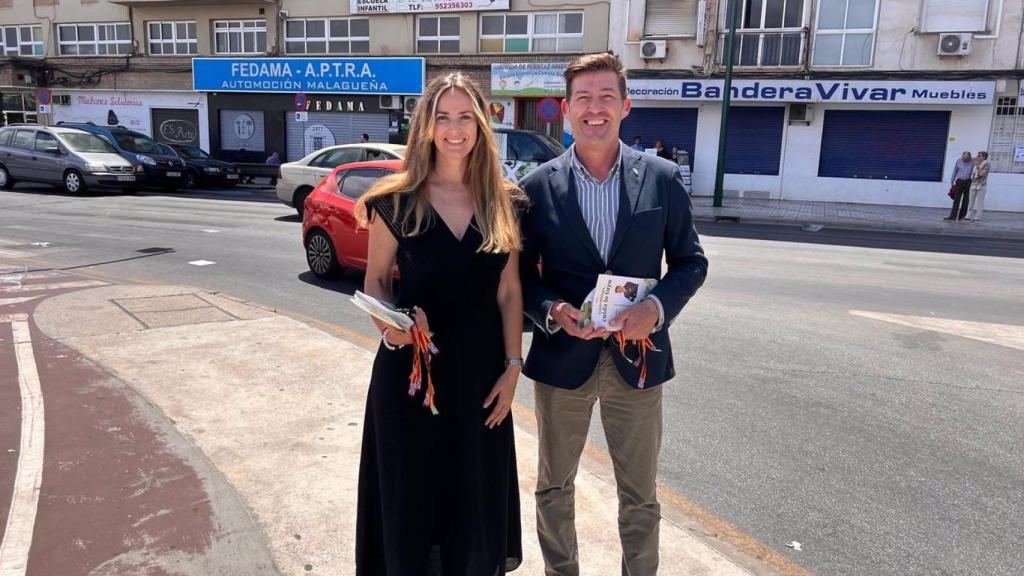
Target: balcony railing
[{"x": 766, "y": 48}]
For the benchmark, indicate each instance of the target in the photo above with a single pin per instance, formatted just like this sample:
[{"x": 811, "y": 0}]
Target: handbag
[{"x": 952, "y": 191}]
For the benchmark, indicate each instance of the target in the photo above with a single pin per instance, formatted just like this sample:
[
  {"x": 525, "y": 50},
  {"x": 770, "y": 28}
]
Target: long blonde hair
[{"x": 494, "y": 198}]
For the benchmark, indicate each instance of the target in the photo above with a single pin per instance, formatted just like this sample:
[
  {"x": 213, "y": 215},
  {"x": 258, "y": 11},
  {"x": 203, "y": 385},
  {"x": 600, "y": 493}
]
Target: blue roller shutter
[
  {"x": 674, "y": 126},
  {"x": 754, "y": 144},
  {"x": 884, "y": 144}
]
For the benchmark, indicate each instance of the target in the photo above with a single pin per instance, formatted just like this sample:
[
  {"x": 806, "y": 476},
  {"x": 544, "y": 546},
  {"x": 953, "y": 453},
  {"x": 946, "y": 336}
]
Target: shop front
[
  {"x": 169, "y": 117},
  {"x": 866, "y": 141},
  {"x": 295, "y": 106},
  {"x": 517, "y": 91}
]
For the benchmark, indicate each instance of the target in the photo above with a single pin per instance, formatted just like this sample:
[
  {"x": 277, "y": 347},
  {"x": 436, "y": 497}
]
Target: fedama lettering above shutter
[{"x": 671, "y": 18}]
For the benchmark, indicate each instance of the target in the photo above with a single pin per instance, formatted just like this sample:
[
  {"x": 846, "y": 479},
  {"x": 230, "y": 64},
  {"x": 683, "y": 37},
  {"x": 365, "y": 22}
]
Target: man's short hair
[
  {"x": 600, "y": 62},
  {"x": 983, "y": 154}
]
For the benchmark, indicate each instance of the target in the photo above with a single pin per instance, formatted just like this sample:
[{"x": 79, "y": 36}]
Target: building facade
[
  {"x": 231, "y": 76},
  {"x": 868, "y": 101}
]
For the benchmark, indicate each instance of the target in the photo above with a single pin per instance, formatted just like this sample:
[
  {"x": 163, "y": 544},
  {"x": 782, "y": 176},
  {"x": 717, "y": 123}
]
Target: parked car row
[{"x": 78, "y": 156}]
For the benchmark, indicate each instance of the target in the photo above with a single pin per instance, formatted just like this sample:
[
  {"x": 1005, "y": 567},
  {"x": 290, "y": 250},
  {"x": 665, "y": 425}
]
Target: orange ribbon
[
  {"x": 641, "y": 360},
  {"x": 422, "y": 350}
]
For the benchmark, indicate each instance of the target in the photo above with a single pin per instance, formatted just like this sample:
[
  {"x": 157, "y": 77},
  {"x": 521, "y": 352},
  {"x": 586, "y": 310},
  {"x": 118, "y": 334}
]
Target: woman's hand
[
  {"x": 396, "y": 337},
  {"x": 501, "y": 396}
]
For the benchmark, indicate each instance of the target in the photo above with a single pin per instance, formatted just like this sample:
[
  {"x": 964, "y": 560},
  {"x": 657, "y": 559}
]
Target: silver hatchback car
[{"x": 67, "y": 157}]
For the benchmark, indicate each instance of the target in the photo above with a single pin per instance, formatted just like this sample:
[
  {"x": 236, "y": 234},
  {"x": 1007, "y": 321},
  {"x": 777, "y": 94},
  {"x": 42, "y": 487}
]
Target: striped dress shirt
[{"x": 599, "y": 202}]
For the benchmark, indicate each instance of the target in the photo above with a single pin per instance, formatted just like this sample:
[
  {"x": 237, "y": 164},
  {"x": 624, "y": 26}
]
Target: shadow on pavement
[
  {"x": 939, "y": 243},
  {"x": 289, "y": 218},
  {"x": 347, "y": 283}
]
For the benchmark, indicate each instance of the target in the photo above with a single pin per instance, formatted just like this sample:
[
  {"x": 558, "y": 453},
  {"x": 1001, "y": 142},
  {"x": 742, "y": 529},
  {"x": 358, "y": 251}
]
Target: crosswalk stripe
[
  {"x": 54, "y": 286},
  {"x": 13, "y": 301}
]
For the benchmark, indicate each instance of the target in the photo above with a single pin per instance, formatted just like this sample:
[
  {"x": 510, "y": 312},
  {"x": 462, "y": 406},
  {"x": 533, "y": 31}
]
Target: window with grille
[
  {"x": 1007, "y": 136},
  {"x": 845, "y": 34},
  {"x": 172, "y": 38},
  {"x": 437, "y": 34},
  {"x": 22, "y": 40},
  {"x": 239, "y": 36},
  {"x": 768, "y": 33},
  {"x": 327, "y": 36},
  {"x": 114, "y": 38},
  {"x": 537, "y": 32}
]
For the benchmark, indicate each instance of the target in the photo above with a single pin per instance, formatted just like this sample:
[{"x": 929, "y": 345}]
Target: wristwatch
[{"x": 509, "y": 362}]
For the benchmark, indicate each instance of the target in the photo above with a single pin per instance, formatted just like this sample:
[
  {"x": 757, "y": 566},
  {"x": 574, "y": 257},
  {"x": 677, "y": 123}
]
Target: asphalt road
[{"x": 826, "y": 394}]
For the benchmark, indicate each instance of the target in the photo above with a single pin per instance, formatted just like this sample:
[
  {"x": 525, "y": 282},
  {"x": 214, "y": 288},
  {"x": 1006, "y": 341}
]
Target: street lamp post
[{"x": 726, "y": 100}]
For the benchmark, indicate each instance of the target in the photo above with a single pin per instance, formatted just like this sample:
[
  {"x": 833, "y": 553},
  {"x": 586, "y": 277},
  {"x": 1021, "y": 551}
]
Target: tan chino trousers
[{"x": 632, "y": 422}]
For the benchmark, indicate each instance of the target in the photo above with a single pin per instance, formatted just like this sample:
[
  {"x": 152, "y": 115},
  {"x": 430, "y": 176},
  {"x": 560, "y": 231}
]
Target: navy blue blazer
[{"x": 655, "y": 219}]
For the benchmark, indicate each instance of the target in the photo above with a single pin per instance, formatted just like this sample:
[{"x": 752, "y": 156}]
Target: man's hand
[
  {"x": 568, "y": 318},
  {"x": 638, "y": 321}
]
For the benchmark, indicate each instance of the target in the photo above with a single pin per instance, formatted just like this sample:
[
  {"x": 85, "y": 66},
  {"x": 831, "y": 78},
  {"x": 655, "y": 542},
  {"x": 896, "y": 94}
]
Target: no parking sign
[{"x": 548, "y": 110}]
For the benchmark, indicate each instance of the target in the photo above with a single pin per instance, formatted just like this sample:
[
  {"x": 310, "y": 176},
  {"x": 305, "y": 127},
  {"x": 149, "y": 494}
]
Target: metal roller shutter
[
  {"x": 175, "y": 126},
  {"x": 330, "y": 128},
  {"x": 671, "y": 18},
  {"x": 675, "y": 126},
  {"x": 754, "y": 144},
  {"x": 884, "y": 144}
]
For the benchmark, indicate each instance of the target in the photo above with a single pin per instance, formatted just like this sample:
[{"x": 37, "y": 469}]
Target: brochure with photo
[
  {"x": 383, "y": 311},
  {"x": 611, "y": 296}
]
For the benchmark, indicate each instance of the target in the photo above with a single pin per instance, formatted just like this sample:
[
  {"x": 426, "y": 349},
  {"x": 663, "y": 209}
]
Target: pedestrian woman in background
[
  {"x": 979, "y": 182},
  {"x": 438, "y": 490}
]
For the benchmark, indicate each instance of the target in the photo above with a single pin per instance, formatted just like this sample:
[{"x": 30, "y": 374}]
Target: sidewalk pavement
[
  {"x": 277, "y": 407},
  {"x": 994, "y": 224}
]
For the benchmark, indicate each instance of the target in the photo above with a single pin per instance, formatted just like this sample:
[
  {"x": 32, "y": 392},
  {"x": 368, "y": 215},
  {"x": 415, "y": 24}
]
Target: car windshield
[
  {"x": 87, "y": 143},
  {"x": 553, "y": 145},
  {"x": 165, "y": 149},
  {"x": 139, "y": 143},
  {"x": 193, "y": 153}
]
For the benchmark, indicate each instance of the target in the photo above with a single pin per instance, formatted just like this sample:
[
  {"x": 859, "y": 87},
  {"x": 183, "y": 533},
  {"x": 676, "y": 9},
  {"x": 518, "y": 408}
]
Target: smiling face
[
  {"x": 595, "y": 109},
  {"x": 455, "y": 125}
]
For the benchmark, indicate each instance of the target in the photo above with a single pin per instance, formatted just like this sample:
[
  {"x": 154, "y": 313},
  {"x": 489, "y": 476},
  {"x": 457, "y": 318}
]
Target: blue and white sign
[
  {"x": 836, "y": 91},
  {"x": 400, "y": 76}
]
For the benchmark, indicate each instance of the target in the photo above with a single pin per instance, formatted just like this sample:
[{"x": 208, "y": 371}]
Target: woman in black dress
[{"x": 438, "y": 490}]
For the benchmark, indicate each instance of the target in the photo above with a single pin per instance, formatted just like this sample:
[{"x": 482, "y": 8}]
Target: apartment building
[
  {"x": 868, "y": 101},
  {"x": 231, "y": 76}
]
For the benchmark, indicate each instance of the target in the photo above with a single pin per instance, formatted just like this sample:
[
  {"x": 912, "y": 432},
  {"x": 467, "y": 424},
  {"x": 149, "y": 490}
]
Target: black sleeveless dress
[{"x": 439, "y": 494}]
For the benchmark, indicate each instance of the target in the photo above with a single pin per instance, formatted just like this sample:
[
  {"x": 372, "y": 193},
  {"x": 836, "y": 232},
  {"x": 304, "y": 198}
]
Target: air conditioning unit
[
  {"x": 956, "y": 44},
  {"x": 800, "y": 112},
  {"x": 410, "y": 104},
  {"x": 653, "y": 49},
  {"x": 282, "y": 14},
  {"x": 389, "y": 102}
]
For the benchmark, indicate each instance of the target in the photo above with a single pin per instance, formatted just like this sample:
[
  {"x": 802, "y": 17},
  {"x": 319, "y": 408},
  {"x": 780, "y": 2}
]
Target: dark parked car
[
  {"x": 164, "y": 168},
  {"x": 205, "y": 170}
]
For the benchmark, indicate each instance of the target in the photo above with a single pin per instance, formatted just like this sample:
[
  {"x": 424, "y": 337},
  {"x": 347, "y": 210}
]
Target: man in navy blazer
[{"x": 602, "y": 208}]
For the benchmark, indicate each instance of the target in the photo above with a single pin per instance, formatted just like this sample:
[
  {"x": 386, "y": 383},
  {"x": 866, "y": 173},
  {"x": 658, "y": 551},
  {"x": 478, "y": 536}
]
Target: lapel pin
[{"x": 636, "y": 172}]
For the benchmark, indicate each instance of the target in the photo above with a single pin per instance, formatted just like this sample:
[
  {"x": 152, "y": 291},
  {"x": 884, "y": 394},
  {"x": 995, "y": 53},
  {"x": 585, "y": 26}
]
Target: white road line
[
  {"x": 12, "y": 301},
  {"x": 28, "y": 479},
  {"x": 1009, "y": 335},
  {"x": 201, "y": 262},
  {"x": 54, "y": 286}
]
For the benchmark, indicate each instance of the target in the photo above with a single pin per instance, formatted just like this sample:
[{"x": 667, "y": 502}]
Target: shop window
[
  {"x": 240, "y": 36},
  {"x": 327, "y": 36},
  {"x": 540, "y": 32},
  {"x": 94, "y": 39},
  {"x": 670, "y": 18},
  {"x": 768, "y": 33},
  {"x": 437, "y": 34},
  {"x": 845, "y": 34},
  {"x": 18, "y": 107},
  {"x": 172, "y": 38},
  {"x": 22, "y": 40}
]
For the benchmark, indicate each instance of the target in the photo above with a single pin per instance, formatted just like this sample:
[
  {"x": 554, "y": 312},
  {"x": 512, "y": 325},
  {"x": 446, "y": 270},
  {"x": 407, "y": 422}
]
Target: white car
[{"x": 300, "y": 177}]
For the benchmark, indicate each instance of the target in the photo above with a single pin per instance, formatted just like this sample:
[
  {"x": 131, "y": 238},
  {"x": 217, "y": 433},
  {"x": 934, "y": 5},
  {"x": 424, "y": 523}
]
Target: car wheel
[
  {"x": 6, "y": 182},
  {"x": 320, "y": 255},
  {"x": 73, "y": 182},
  {"x": 300, "y": 200},
  {"x": 191, "y": 180}
]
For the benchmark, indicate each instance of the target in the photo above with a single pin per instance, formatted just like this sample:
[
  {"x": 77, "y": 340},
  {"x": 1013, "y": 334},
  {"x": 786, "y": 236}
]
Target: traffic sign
[
  {"x": 300, "y": 102},
  {"x": 548, "y": 109},
  {"x": 44, "y": 96}
]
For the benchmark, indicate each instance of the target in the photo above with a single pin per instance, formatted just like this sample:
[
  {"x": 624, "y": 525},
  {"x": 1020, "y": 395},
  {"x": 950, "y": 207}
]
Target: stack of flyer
[
  {"x": 611, "y": 296},
  {"x": 383, "y": 311}
]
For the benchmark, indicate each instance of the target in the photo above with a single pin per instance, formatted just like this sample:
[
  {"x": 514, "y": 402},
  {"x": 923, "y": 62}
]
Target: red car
[{"x": 333, "y": 240}]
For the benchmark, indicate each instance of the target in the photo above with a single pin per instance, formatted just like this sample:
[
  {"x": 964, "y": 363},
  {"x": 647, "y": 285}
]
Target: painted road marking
[
  {"x": 12, "y": 301},
  {"x": 28, "y": 479},
  {"x": 1009, "y": 335},
  {"x": 201, "y": 262},
  {"x": 54, "y": 286}
]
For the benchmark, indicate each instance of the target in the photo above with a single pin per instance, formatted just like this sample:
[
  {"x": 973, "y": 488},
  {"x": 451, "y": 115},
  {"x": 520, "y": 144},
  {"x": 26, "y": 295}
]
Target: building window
[
  {"x": 437, "y": 34},
  {"x": 327, "y": 36},
  {"x": 22, "y": 40},
  {"x": 240, "y": 36},
  {"x": 94, "y": 39},
  {"x": 1006, "y": 143},
  {"x": 172, "y": 38},
  {"x": 769, "y": 33},
  {"x": 846, "y": 33},
  {"x": 954, "y": 16},
  {"x": 540, "y": 32},
  {"x": 670, "y": 18}
]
